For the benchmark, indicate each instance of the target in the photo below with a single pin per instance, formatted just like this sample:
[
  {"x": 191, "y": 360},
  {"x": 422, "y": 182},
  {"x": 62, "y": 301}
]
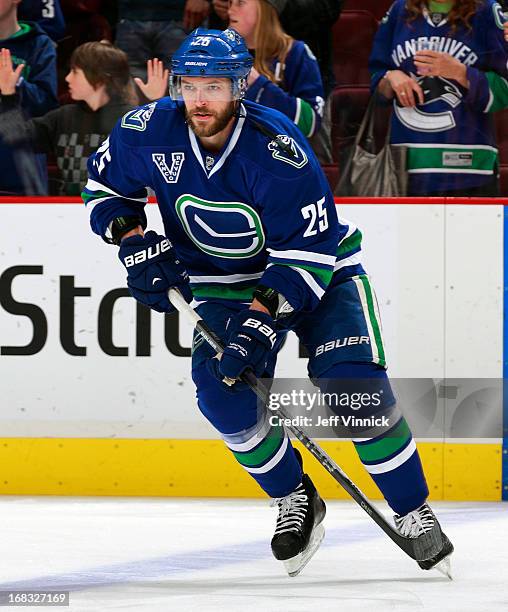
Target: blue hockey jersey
[
  {"x": 47, "y": 13},
  {"x": 253, "y": 213},
  {"x": 300, "y": 95},
  {"x": 451, "y": 137}
]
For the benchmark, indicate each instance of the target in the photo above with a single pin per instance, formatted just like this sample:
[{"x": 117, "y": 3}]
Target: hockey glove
[
  {"x": 152, "y": 268},
  {"x": 252, "y": 339}
]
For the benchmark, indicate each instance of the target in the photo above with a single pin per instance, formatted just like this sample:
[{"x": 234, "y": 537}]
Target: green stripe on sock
[
  {"x": 373, "y": 320},
  {"x": 383, "y": 448},
  {"x": 482, "y": 159},
  {"x": 264, "y": 451},
  {"x": 306, "y": 118},
  {"x": 349, "y": 244}
]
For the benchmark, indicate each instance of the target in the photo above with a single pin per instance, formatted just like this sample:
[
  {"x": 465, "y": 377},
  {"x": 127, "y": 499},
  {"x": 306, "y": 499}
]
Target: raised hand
[
  {"x": 221, "y": 8},
  {"x": 196, "y": 11},
  {"x": 8, "y": 75},
  {"x": 156, "y": 85}
]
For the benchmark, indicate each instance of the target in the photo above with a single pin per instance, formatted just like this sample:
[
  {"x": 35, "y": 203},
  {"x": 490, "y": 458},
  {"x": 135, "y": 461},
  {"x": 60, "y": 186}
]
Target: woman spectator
[
  {"x": 100, "y": 84},
  {"x": 438, "y": 59},
  {"x": 285, "y": 75}
]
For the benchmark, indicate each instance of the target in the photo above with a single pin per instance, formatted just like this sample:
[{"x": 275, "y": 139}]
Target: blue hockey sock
[
  {"x": 265, "y": 452},
  {"x": 262, "y": 449},
  {"x": 390, "y": 455}
]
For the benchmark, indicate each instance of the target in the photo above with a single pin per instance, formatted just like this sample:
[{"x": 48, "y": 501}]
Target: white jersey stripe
[
  {"x": 229, "y": 278},
  {"x": 304, "y": 256}
]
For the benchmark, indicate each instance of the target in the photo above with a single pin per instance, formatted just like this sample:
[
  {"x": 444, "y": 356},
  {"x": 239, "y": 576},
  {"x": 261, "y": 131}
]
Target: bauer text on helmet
[{"x": 212, "y": 53}]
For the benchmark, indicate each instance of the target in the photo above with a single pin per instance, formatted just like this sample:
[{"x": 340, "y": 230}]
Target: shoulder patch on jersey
[
  {"x": 232, "y": 230},
  {"x": 292, "y": 154},
  {"x": 139, "y": 117}
]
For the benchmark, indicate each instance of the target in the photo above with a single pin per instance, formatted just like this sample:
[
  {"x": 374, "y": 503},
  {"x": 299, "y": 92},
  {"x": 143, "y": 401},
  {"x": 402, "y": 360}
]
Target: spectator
[
  {"x": 315, "y": 31},
  {"x": 28, "y": 75},
  {"x": 156, "y": 28},
  {"x": 47, "y": 13},
  {"x": 100, "y": 84},
  {"x": 312, "y": 21},
  {"x": 218, "y": 18},
  {"x": 437, "y": 60},
  {"x": 285, "y": 75}
]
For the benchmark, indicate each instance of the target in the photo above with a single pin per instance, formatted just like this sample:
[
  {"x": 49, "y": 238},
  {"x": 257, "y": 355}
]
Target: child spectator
[
  {"x": 47, "y": 13},
  {"x": 438, "y": 60},
  {"x": 27, "y": 74},
  {"x": 100, "y": 83},
  {"x": 285, "y": 75}
]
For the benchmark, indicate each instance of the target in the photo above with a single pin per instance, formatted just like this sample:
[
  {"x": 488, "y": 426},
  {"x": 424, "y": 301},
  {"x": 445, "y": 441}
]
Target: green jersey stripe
[
  {"x": 499, "y": 90},
  {"x": 451, "y": 159},
  {"x": 350, "y": 243},
  {"x": 242, "y": 294},
  {"x": 325, "y": 276},
  {"x": 306, "y": 120}
]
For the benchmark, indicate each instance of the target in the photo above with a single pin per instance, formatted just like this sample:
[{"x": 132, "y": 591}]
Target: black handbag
[{"x": 367, "y": 173}]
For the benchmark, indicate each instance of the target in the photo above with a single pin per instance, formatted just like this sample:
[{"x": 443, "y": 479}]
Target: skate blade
[
  {"x": 445, "y": 567},
  {"x": 296, "y": 564}
]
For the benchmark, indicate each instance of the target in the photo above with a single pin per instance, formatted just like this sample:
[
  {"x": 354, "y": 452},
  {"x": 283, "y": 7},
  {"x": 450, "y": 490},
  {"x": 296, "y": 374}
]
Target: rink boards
[{"x": 96, "y": 394}]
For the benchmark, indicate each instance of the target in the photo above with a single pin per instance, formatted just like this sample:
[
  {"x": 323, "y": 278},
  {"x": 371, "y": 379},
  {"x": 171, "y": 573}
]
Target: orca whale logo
[
  {"x": 285, "y": 149},
  {"x": 435, "y": 89},
  {"x": 221, "y": 229}
]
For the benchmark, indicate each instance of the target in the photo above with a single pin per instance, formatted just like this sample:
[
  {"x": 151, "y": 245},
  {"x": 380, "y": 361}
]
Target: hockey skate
[
  {"x": 434, "y": 545},
  {"x": 299, "y": 529}
]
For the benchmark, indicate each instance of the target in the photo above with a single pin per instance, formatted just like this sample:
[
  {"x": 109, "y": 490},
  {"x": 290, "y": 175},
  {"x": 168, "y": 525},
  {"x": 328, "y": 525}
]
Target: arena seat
[
  {"x": 332, "y": 174},
  {"x": 353, "y": 34},
  {"x": 501, "y": 119},
  {"x": 348, "y": 108},
  {"x": 377, "y": 8},
  {"x": 503, "y": 180}
]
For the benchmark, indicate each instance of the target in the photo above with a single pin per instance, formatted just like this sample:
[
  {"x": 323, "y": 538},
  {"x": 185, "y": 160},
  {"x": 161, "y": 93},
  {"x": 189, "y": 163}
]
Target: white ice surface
[{"x": 185, "y": 555}]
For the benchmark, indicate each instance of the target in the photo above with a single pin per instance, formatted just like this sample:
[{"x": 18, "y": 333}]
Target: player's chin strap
[
  {"x": 413, "y": 547},
  {"x": 266, "y": 132}
]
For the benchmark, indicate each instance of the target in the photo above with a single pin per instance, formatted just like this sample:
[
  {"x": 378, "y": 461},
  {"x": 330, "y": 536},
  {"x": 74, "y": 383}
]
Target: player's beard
[{"x": 219, "y": 122}]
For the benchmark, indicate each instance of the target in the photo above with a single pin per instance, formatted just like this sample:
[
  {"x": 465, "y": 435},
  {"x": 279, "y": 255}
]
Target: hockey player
[{"x": 254, "y": 238}]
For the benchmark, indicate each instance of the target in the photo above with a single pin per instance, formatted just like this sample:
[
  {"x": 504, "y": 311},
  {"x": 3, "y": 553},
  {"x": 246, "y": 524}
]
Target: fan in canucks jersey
[
  {"x": 253, "y": 237},
  {"x": 446, "y": 73}
]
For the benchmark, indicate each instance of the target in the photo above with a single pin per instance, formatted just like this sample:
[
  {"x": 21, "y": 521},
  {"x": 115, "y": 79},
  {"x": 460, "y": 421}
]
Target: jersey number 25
[{"x": 318, "y": 218}]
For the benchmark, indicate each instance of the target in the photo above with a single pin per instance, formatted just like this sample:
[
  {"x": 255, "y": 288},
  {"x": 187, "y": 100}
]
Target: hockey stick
[{"x": 419, "y": 549}]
